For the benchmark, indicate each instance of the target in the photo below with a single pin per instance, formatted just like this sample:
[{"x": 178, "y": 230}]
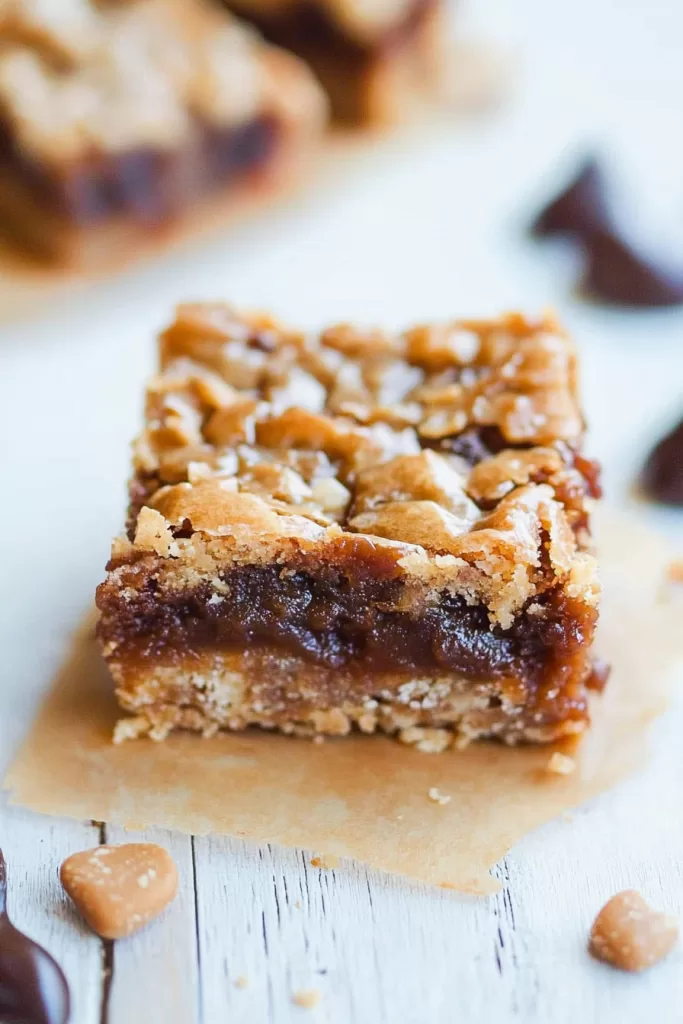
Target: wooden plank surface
[
  {"x": 436, "y": 229},
  {"x": 165, "y": 955}
]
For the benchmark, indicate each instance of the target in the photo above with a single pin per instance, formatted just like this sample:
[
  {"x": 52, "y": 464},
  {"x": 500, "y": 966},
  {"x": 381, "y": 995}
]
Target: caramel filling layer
[{"x": 356, "y": 628}]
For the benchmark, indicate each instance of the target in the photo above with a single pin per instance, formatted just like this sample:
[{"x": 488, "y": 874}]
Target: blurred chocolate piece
[
  {"x": 662, "y": 475},
  {"x": 578, "y": 210},
  {"x": 33, "y": 989},
  {"x": 616, "y": 273}
]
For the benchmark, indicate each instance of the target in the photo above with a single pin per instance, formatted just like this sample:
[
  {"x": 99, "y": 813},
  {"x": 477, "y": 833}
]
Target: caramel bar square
[
  {"x": 377, "y": 59},
  {"x": 357, "y": 528},
  {"x": 119, "y": 121}
]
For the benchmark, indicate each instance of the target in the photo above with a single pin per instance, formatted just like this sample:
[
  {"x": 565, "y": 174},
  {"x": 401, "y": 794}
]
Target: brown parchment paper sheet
[{"x": 363, "y": 796}]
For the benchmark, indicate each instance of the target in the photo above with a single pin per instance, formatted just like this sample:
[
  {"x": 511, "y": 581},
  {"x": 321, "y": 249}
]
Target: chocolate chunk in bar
[
  {"x": 120, "y": 122},
  {"x": 662, "y": 475},
  {"x": 310, "y": 549}
]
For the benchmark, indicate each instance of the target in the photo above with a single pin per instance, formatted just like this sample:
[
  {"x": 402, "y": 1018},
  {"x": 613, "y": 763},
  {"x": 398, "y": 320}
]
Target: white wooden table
[{"x": 433, "y": 230}]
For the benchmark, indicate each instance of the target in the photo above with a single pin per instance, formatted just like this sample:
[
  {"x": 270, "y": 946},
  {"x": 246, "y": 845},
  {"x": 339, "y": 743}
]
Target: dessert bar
[
  {"x": 375, "y": 60},
  {"x": 357, "y": 528},
  {"x": 119, "y": 120}
]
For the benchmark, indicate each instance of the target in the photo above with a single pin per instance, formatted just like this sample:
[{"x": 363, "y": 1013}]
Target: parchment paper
[{"x": 363, "y": 796}]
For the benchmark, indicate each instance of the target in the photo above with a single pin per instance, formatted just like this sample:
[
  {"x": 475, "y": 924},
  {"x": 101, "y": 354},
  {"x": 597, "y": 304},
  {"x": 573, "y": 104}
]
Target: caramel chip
[
  {"x": 630, "y": 935},
  {"x": 118, "y": 889}
]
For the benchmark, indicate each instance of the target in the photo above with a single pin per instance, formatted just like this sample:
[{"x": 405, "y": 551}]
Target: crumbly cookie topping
[{"x": 453, "y": 447}]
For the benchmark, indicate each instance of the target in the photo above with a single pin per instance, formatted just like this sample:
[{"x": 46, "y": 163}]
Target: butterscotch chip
[
  {"x": 307, "y": 998},
  {"x": 119, "y": 889},
  {"x": 630, "y": 935}
]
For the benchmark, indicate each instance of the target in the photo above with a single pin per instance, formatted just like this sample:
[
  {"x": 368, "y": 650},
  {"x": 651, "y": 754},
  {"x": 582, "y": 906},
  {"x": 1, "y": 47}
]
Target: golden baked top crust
[
  {"x": 263, "y": 443},
  {"x": 79, "y": 77}
]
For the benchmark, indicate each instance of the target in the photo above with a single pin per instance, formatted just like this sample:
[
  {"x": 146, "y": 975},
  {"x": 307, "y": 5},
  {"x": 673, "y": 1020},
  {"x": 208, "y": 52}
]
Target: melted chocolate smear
[
  {"x": 581, "y": 208},
  {"x": 615, "y": 273},
  {"x": 33, "y": 989},
  {"x": 662, "y": 476}
]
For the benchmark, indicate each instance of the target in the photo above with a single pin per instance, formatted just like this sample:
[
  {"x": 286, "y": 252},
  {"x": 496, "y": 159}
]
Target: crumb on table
[
  {"x": 308, "y": 998},
  {"x": 327, "y": 861}
]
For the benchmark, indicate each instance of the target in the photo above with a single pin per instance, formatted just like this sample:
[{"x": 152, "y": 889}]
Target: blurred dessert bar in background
[
  {"x": 120, "y": 120},
  {"x": 375, "y": 58},
  {"x": 388, "y": 531}
]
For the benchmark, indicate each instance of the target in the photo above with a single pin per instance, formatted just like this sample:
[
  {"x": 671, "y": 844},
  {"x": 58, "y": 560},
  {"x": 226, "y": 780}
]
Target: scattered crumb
[
  {"x": 241, "y": 982},
  {"x": 326, "y": 861},
  {"x": 560, "y": 764},
  {"x": 318, "y": 739},
  {"x": 630, "y": 935},
  {"x": 298, "y": 904},
  {"x": 426, "y": 740},
  {"x": 367, "y": 723},
  {"x": 307, "y": 997},
  {"x": 438, "y": 797},
  {"x": 676, "y": 570}
]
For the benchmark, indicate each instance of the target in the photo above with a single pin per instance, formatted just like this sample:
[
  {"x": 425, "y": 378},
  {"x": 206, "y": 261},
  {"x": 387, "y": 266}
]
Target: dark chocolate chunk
[
  {"x": 580, "y": 209},
  {"x": 616, "y": 273},
  {"x": 33, "y": 989},
  {"x": 469, "y": 445},
  {"x": 662, "y": 475}
]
